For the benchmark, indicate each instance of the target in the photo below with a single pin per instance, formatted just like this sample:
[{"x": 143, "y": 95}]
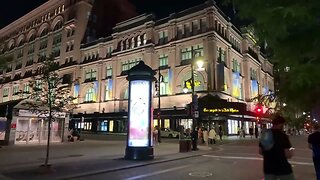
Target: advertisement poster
[
  {"x": 236, "y": 85},
  {"x": 3, "y": 123},
  {"x": 254, "y": 88},
  {"x": 139, "y": 113},
  {"x": 76, "y": 90}
]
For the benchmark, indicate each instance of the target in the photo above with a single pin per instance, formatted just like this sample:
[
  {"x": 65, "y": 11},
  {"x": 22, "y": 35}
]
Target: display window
[{"x": 232, "y": 126}]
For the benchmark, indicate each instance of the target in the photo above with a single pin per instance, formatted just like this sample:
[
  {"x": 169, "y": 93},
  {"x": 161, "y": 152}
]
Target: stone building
[{"x": 234, "y": 70}]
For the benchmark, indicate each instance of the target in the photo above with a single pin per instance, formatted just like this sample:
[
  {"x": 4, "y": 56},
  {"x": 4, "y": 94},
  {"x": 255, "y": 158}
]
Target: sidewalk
[{"x": 84, "y": 160}]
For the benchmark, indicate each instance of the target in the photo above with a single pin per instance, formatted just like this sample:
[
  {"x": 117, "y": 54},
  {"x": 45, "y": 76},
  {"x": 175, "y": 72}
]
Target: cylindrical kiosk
[{"x": 139, "y": 140}]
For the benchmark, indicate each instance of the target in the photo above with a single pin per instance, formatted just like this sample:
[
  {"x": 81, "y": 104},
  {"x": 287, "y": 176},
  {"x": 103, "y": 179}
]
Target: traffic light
[{"x": 259, "y": 109}]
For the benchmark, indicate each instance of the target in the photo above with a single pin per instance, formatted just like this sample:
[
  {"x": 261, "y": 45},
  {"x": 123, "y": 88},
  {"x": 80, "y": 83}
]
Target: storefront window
[
  {"x": 186, "y": 123},
  {"x": 232, "y": 126},
  {"x": 167, "y": 123},
  {"x": 87, "y": 125},
  {"x": 111, "y": 126},
  {"x": 103, "y": 126}
]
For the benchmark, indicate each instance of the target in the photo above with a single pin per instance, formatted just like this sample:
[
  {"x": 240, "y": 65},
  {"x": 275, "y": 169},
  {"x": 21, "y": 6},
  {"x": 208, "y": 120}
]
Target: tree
[
  {"x": 290, "y": 30},
  {"x": 49, "y": 96}
]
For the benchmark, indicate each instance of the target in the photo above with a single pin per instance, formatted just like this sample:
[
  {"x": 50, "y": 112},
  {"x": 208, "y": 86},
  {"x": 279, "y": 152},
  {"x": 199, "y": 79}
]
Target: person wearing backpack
[
  {"x": 276, "y": 149},
  {"x": 314, "y": 145}
]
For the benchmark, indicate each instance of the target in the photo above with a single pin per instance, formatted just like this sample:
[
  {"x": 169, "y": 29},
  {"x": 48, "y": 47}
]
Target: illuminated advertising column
[{"x": 139, "y": 140}]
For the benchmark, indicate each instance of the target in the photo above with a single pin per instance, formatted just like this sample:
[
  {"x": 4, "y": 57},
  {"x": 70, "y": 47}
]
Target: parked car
[{"x": 165, "y": 132}]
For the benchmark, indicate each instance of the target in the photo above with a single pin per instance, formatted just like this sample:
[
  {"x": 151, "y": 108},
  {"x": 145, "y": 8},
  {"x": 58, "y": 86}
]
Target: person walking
[
  {"x": 155, "y": 135},
  {"x": 314, "y": 145},
  {"x": 276, "y": 149},
  {"x": 200, "y": 136},
  {"x": 256, "y": 131},
  {"x": 205, "y": 136},
  {"x": 239, "y": 131},
  {"x": 212, "y": 136},
  {"x": 220, "y": 132},
  {"x": 251, "y": 131}
]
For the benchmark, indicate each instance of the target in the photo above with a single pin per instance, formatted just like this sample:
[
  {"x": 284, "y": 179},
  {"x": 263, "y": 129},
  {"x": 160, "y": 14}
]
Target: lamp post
[
  {"x": 194, "y": 104},
  {"x": 160, "y": 81}
]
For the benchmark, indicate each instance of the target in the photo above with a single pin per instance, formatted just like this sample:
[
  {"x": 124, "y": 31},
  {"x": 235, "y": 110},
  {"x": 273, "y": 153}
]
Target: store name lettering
[{"x": 221, "y": 110}]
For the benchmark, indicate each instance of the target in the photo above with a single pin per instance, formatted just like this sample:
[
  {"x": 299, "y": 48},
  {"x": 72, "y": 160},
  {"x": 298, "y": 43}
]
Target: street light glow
[
  {"x": 200, "y": 65},
  {"x": 304, "y": 113},
  {"x": 284, "y": 104}
]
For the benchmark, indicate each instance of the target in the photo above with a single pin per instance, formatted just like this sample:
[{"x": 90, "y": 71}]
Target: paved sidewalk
[{"x": 71, "y": 160}]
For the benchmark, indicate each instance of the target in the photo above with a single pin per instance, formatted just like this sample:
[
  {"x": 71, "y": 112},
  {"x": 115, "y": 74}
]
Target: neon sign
[{"x": 221, "y": 110}]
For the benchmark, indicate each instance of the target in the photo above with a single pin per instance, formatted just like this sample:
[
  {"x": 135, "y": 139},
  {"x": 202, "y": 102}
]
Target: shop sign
[{"x": 221, "y": 110}]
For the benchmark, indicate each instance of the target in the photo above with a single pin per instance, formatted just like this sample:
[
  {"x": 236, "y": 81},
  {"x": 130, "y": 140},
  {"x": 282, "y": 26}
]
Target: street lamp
[
  {"x": 194, "y": 104},
  {"x": 159, "y": 83}
]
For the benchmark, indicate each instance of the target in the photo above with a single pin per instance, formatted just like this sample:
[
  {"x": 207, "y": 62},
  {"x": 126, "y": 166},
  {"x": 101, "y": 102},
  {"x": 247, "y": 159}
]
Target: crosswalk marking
[{"x": 256, "y": 158}]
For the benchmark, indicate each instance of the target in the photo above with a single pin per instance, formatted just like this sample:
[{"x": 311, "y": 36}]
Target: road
[
  {"x": 103, "y": 159},
  {"x": 234, "y": 160}
]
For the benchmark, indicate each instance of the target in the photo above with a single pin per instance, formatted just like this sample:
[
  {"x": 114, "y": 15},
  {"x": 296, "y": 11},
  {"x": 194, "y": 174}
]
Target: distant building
[{"x": 235, "y": 69}]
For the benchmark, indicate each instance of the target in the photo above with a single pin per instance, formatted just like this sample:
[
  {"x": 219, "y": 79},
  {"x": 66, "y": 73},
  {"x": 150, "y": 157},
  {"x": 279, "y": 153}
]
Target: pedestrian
[
  {"x": 159, "y": 134},
  {"x": 276, "y": 149},
  {"x": 256, "y": 131},
  {"x": 251, "y": 131},
  {"x": 200, "y": 136},
  {"x": 220, "y": 132},
  {"x": 155, "y": 135},
  {"x": 194, "y": 138},
  {"x": 239, "y": 131},
  {"x": 314, "y": 145},
  {"x": 205, "y": 136},
  {"x": 212, "y": 136}
]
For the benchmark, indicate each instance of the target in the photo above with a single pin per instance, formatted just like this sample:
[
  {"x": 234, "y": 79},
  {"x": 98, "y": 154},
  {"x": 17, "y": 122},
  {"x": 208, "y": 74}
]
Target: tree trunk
[{"x": 48, "y": 141}]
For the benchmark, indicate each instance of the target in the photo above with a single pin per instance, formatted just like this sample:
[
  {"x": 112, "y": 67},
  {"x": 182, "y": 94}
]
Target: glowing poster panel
[
  {"x": 254, "y": 88},
  {"x": 139, "y": 113},
  {"x": 236, "y": 84}
]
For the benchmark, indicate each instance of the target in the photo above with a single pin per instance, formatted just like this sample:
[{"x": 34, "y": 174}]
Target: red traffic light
[{"x": 259, "y": 109}]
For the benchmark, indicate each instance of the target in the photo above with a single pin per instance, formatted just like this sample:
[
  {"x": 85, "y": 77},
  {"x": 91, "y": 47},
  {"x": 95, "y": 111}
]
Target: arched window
[
  {"x": 44, "y": 32},
  {"x": 20, "y": 42},
  {"x": 132, "y": 42},
  {"x": 139, "y": 40},
  {"x": 57, "y": 26},
  {"x": 144, "y": 39},
  {"x": 32, "y": 38},
  {"x": 89, "y": 95},
  {"x": 124, "y": 44}
]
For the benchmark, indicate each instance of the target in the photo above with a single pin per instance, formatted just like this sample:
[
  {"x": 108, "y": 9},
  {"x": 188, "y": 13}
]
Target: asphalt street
[
  {"x": 103, "y": 159},
  {"x": 234, "y": 160}
]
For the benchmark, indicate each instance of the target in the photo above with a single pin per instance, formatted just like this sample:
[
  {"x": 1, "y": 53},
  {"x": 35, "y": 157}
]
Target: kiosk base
[{"x": 139, "y": 153}]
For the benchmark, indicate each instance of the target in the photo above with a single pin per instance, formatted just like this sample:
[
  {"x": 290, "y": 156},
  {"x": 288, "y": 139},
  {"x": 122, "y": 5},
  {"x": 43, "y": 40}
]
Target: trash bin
[{"x": 184, "y": 145}]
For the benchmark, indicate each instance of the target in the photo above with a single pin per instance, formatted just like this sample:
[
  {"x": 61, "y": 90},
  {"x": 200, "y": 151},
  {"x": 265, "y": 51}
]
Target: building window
[
  {"x": 179, "y": 32},
  {"x": 38, "y": 85},
  {"x": 43, "y": 44},
  {"x": 26, "y": 88},
  {"x": 109, "y": 52},
  {"x": 91, "y": 75},
  {"x": 163, "y": 37},
  {"x": 221, "y": 55},
  {"x": 139, "y": 41},
  {"x": 253, "y": 74},
  {"x": 163, "y": 59},
  {"x": 89, "y": 95},
  {"x": 198, "y": 50},
  {"x": 5, "y": 92},
  {"x": 186, "y": 54},
  {"x": 15, "y": 90},
  {"x": 31, "y": 48},
  {"x": 126, "y": 65},
  {"x": 144, "y": 37},
  {"x": 164, "y": 85},
  {"x": 108, "y": 72},
  {"x": 235, "y": 66},
  {"x": 108, "y": 90},
  {"x": 203, "y": 26}
]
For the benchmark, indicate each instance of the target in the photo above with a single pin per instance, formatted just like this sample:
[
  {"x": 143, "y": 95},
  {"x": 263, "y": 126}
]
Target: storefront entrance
[{"x": 35, "y": 130}]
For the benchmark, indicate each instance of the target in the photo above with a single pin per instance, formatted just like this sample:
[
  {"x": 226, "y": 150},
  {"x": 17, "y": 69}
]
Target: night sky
[{"x": 161, "y": 8}]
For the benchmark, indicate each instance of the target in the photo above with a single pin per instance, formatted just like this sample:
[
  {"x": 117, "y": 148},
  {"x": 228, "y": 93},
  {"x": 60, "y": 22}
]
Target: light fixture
[
  {"x": 304, "y": 113},
  {"x": 185, "y": 89},
  {"x": 284, "y": 104},
  {"x": 200, "y": 65}
]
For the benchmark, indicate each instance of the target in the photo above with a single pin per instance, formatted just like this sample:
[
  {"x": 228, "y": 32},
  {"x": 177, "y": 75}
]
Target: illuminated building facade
[{"x": 235, "y": 69}]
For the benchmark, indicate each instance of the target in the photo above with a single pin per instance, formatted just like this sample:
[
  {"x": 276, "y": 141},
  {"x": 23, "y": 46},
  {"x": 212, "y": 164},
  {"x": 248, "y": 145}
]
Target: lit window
[{"x": 89, "y": 95}]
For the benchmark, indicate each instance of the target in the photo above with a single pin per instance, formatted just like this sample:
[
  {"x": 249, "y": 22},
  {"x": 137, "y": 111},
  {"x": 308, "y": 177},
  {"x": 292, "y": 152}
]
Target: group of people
[
  {"x": 241, "y": 132},
  {"x": 276, "y": 149},
  {"x": 209, "y": 137}
]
